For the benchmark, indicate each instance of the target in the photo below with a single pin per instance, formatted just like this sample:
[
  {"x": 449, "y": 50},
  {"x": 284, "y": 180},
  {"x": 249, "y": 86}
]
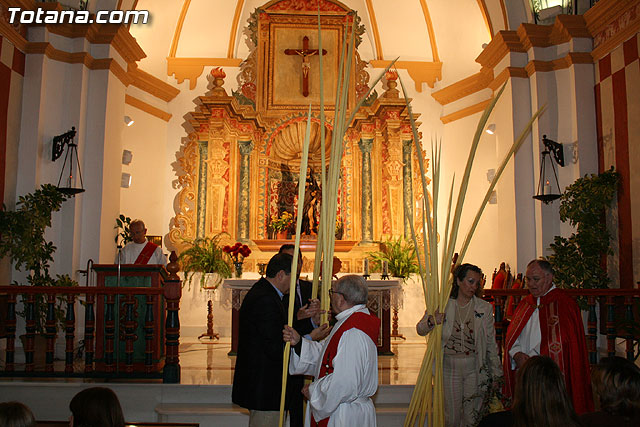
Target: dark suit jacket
[
  {"x": 257, "y": 381},
  {"x": 303, "y": 326}
]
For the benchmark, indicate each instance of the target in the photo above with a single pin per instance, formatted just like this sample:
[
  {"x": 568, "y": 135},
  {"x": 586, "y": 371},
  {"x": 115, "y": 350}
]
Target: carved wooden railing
[
  {"x": 615, "y": 305},
  {"x": 169, "y": 296}
]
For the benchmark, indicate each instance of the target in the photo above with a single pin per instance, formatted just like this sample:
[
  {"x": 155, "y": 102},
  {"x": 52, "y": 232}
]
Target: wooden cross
[{"x": 305, "y": 53}]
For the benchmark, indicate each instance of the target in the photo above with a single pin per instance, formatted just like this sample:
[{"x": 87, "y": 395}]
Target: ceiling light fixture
[{"x": 491, "y": 129}]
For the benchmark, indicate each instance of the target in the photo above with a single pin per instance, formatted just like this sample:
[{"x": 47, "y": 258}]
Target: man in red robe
[
  {"x": 548, "y": 322},
  {"x": 500, "y": 277},
  {"x": 140, "y": 250}
]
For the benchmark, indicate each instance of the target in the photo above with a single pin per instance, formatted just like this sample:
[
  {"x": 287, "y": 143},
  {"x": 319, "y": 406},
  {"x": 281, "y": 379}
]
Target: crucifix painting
[
  {"x": 305, "y": 53},
  {"x": 293, "y": 67}
]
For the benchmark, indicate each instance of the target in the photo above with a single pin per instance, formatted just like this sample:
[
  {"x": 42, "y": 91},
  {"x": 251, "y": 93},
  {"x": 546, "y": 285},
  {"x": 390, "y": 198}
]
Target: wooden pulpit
[{"x": 125, "y": 313}]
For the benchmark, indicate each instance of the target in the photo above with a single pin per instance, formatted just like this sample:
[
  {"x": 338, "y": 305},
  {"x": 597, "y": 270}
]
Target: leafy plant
[
  {"x": 22, "y": 240},
  {"x": 205, "y": 255},
  {"x": 400, "y": 255},
  {"x": 577, "y": 259},
  {"x": 123, "y": 223},
  {"x": 22, "y": 233}
]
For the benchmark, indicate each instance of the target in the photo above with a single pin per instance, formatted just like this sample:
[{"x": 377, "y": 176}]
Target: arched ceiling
[{"x": 420, "y": 32}]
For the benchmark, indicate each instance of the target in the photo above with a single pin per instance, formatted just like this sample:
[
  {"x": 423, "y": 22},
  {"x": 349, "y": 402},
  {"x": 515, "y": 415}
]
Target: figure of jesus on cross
[{"x": 305, "y": 53}]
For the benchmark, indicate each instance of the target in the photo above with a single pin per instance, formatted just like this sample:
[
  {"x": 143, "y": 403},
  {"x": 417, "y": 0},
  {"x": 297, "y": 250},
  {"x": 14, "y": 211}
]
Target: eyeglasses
[{"x": 331, "y": 292}]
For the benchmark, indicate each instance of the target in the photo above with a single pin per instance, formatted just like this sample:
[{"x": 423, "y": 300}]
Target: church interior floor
[{"x": 207, "y": 362}]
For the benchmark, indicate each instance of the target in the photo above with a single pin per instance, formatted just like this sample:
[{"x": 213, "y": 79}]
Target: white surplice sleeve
[
  {"x": 355, "y": 375},
  {"x": 307, "y": 362}
]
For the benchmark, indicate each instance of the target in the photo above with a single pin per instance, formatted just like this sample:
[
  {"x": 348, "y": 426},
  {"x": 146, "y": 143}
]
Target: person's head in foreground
[
  {"x": 616, "y": 382},
  {"x": 96, "y": 407},
  {"x": 540, "y": 398},
  {"x": 16, "y": 414}
]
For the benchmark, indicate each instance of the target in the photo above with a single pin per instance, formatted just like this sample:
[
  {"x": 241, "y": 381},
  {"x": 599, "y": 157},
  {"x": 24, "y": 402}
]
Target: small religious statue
[
  {"x": 311, "y": 207},
  {"x": 305, "y": 53}
]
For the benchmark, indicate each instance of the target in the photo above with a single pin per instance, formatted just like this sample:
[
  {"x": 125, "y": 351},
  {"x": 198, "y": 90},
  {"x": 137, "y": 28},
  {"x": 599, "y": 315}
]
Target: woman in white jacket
[{"x": 469, "y": 346}]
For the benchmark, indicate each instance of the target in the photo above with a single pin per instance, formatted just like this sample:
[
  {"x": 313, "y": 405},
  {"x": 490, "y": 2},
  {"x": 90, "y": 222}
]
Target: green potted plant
[
  {"x": 576, "y": 259},
  {"x": 205, "y": 255},
  {"x": 22, "y": 240},
  {"x": 400, "y": 256}
]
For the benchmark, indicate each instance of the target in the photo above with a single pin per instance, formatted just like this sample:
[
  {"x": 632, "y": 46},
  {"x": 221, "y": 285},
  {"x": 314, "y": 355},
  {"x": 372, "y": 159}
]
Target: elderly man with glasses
[{"x": 345, "y": 365}]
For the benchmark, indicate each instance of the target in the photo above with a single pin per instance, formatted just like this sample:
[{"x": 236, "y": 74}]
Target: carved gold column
[
  {"x": 407, "y": 193},
  {"x": 245, "y": 148},
  {"x": 394, "y": 172},
  {"x": 365, "y": 145},
  {"x": 203, "y": 157},
  {"x": 216, "y": 183}
]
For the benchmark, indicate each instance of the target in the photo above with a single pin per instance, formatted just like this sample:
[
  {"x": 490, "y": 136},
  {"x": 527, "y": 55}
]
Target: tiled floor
[
  {"x": 205, "y": 362},
  {"x": 208, "y": 362}
]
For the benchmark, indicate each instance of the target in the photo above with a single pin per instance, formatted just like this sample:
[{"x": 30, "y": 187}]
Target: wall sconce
[
  {"x": 491, "y": 129},
  {"x": 127, "y": 156},
  {"x": 128, "y": 120},
  {"x": 545, "y": 184},
  {"x": 125, "y": 180},
  {"x": 59, "y": 143}
]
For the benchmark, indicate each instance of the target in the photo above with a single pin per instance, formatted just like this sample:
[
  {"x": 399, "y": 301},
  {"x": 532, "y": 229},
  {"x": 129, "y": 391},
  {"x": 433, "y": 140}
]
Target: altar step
[
  {"x": 391, "y": 401},
  {"x": 208, "y": 405}
]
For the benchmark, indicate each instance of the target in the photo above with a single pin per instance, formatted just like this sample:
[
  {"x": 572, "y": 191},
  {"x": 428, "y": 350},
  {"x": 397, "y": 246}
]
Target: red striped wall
[{"x": 616, "y": 96}]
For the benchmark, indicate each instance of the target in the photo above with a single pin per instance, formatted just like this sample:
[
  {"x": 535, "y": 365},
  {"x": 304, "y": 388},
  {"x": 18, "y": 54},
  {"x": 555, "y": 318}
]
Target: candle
[
  {"x": 366, "y": 266},
  {"x": 385, "y": 268},
  {"x": 547, "y": 188}
]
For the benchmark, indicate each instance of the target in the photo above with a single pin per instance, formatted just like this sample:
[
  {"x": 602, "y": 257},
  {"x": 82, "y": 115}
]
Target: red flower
[{"x": 238, "y": 252}]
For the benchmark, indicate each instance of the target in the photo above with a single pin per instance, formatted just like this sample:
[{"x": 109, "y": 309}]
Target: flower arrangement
[
  {"x": 282, "y": 222},
  {"x": 237, "y": 252}
]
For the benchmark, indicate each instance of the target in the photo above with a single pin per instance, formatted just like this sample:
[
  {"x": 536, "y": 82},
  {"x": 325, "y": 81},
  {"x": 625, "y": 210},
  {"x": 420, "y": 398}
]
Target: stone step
[
  {"x": 387, "y": 414},
  {"x": 391, "y": 402}
]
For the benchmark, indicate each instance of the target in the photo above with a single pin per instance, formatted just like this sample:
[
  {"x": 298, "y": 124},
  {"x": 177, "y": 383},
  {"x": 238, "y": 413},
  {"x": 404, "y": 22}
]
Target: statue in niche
[{"x": 311, "y": 207}]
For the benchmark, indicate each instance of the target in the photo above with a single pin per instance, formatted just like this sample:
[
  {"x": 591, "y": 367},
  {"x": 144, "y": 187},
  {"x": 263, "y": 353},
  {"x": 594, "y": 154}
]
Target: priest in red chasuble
[
  {"x": 345, "y": 365},
  {"x": 140, "y": 251},
  {"x": 548, "y": 322}
]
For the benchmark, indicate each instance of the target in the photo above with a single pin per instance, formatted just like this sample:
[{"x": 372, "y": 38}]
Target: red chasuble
[
  {"x": 563, "y": 341},
  {"x": 367, "y": 323},
  {"x": 146, "y": 253}
]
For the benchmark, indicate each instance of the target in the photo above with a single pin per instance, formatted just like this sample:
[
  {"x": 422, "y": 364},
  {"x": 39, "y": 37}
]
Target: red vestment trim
[
  {"x": 562, "y": 340},
  {"x": 146, "y": 253},
  {"x": 367, "y": 323}
]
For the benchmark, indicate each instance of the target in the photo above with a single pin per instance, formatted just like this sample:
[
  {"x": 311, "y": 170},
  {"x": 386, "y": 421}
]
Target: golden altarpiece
[{"x": 240, "y": 162}]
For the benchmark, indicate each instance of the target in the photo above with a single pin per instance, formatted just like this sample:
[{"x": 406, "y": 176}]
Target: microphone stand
[{"x": 117, "y": 337}]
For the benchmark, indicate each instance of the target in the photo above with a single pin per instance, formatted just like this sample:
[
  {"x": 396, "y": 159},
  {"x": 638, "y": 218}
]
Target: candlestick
[
  {"x": 385, "y": 268},
  {"x": 366, "y": 266}
]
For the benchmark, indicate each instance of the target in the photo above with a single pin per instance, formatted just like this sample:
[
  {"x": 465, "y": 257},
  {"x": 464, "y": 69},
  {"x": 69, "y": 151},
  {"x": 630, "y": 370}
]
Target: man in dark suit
[
  {"x": 304, "y": 309},
  {"x": 257, "y": 381}
]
